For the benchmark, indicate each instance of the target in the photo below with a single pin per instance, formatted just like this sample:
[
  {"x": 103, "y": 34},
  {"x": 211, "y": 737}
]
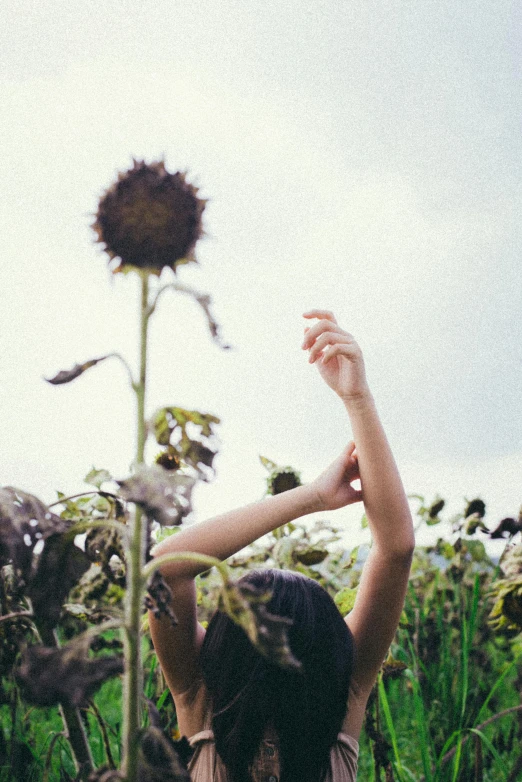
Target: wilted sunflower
[{"x": 150, "y": 218}]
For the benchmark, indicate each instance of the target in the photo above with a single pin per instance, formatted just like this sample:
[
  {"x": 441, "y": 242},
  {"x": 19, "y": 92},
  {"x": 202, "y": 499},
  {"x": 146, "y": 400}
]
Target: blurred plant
[{"x": 54, "y": 589}]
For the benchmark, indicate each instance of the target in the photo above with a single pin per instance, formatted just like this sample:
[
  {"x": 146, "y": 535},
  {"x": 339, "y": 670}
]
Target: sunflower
[{"x": 150, "y": 219}]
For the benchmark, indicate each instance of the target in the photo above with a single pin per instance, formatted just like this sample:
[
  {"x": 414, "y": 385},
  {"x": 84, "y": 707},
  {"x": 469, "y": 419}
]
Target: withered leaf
[
  {"x": 102, "y": 544},
  {"x": 48, "y": 676},
  {"x": 66, "y": 375},
  {"x": 159, "y": 758},
  {"x": 507, "y": 528},
  {"x": 164, "y": 495},
  {"x": 60, "y": 565},
  {"x": 24, "y": 520},
  {"x": 246, "y": 606}
]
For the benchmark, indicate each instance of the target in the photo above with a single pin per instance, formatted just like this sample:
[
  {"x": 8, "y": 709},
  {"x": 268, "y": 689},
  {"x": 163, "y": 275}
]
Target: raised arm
[
  {"x": 221, "y": 537},
  {"x": 382, "y": 589}
]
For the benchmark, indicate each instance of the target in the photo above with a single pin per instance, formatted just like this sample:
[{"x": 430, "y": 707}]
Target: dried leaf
[
  {"x": 24, "y": 520},
  {"x": 164, "y": 495},
  {"x": 100, "y": 546},
  {"x": 60, "y": 566},
  {"x": 49, "y": 676},
  {"x": 66, "y": 375}
]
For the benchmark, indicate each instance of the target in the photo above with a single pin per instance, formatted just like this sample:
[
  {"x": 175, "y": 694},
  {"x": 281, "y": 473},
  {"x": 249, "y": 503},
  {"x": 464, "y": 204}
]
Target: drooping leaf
[
  {"x": 159, "y": 758},
  {"x": 165, "y": 496},
  {"x": 246, "y": 606},
  {"x": 96, "y": 477},
  {"x": 24, "y": 520},
  {"x": 66, "y": 375},
  {"x": 60, "y": 565},
  {"x": 48, "y": 676}
]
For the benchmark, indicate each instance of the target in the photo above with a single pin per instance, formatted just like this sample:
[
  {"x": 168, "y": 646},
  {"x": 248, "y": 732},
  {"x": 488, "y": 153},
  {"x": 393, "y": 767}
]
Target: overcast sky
[{"x": 359, "y": 155}]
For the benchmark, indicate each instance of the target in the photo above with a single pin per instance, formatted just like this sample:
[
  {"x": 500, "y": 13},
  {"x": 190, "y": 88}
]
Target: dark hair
[{"x": 248, "y": 692}]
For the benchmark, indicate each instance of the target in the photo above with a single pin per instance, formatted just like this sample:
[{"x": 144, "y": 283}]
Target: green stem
[{"x": 133, "y": 677}]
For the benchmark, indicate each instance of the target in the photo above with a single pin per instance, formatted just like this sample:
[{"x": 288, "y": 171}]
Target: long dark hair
[{"x": 248, "y": 692}]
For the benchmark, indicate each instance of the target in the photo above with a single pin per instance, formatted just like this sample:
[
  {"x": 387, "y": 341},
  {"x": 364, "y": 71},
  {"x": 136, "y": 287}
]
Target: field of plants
[{"x": 81, "y": 694}]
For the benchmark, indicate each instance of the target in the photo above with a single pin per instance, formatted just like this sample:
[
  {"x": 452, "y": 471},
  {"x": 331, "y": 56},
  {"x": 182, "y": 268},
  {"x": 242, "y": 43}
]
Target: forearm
[
  {"x": 385, "y": 501},
  {"x": 223, "y": 536}
]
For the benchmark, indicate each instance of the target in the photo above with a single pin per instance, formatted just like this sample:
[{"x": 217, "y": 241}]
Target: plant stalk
[
  {"x": 133, "y": 677},
  {"x": 74, "y": 728}
]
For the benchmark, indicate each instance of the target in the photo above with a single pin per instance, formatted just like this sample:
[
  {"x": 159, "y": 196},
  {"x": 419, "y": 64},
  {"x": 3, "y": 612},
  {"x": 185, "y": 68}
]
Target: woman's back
[{"x": 207, "y": 766}]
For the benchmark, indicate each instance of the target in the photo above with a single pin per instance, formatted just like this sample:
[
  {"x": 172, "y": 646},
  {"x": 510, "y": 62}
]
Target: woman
[{"x": 247, "y": 718}]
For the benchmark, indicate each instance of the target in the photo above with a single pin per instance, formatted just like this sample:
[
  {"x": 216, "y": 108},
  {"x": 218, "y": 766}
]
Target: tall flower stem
[{"x": 133, "y": 677}]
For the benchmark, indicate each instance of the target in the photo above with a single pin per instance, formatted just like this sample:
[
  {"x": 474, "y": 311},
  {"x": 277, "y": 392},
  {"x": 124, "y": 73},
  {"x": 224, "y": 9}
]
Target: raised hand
[
  {"x": 337, "y": 355},
  {"x": 334, "y": 486}
]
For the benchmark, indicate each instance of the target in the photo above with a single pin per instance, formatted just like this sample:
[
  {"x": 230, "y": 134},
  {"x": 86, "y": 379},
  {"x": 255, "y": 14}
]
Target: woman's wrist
[{"x": 359, "y": 400}]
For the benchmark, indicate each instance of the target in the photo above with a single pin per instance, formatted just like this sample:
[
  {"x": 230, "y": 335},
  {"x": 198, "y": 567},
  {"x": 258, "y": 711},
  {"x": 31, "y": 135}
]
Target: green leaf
[
  {"x": 345, "y": 599},
  {"x": 364, "y": 521},
  {"x": 97, "y": 477}
]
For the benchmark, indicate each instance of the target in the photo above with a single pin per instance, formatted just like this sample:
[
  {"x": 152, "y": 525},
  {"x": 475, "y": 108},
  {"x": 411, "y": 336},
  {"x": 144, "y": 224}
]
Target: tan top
[{"x": 206, "y": 765}]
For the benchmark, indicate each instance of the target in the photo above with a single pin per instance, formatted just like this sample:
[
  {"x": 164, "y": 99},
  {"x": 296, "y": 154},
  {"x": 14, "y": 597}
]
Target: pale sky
[{"x": 362, "y": 156}]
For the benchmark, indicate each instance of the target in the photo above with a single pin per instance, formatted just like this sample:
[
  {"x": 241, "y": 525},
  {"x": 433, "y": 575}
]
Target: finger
[
  {"x": 327, "y": 314},
  {"x": 319, "y": 328},
  {"x": 326, "y": 339},
  {"x": 351, "y": 351}
]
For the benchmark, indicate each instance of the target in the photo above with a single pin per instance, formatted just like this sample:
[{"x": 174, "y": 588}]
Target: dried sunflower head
[{"x": 150, "y": 219}]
